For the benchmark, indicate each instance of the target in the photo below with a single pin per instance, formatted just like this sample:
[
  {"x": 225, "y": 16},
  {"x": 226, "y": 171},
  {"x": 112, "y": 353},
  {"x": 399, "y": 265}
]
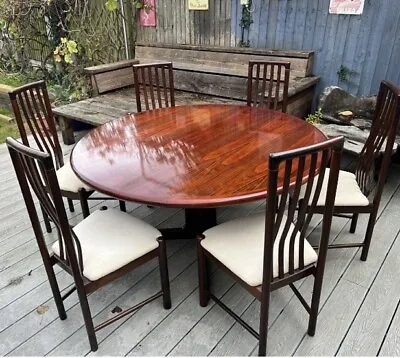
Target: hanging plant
[{"x": 245, "y": 23}]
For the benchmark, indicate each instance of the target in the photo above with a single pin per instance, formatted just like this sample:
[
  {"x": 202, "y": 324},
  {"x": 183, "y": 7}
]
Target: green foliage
[
  {"x": 7, "y": 129},
  {"x": 245, "y": 23},
  {"x": 343, "y": 73},
  {"x": 315, "y": 118},
  {"x": 65, "y": 35},
  {"x": 13, "y": 79},
  {"x": 244, "y": 43},
  {"x": 6, "y": 112},
  {"x": 111, "y": 5},
  {"x": 65, "y": 51},
  {"x": 246, "y": 19}
]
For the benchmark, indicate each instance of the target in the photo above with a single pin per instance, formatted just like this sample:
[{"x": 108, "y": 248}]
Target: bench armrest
[
  {"x": 93, "y": 70},
  {"x": 111, "y": 76}
]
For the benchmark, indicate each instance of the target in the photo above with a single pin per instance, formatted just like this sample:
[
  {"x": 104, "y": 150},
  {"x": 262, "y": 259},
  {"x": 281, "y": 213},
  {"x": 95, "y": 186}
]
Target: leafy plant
[
  {"x": 245, "y": 23},
  {"x": 8, "y": 130},
  {"x": 315, "y": 118},
  {"x": 244, "y": 43},
  {"x": 343, "y": 73},
  {"x": 112, "y": 5},
  {"x": 65, "y": 51}
]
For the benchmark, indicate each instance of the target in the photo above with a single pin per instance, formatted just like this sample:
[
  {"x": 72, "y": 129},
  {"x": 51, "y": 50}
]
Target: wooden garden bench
[{"x": 201, "y": 75}]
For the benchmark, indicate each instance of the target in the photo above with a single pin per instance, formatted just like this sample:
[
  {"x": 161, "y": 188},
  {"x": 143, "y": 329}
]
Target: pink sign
[
  {"x": 347, "y": 7},
  {"x": 147, "y": 15}
]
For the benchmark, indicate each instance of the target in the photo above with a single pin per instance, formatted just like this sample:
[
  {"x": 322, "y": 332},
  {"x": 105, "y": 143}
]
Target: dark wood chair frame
[
  {"x": 264, "y": 83},
  {"x": 37, "y": 168},
  {"x": 274, "y": 218},
  {"x": 384, "y": 128},
  {"x": 154, "y": 83},
  {"x": 31, "y": 105}
]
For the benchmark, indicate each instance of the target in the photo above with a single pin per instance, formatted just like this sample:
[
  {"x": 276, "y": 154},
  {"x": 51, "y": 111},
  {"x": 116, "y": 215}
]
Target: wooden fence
[{"x": 367, "y": 45}]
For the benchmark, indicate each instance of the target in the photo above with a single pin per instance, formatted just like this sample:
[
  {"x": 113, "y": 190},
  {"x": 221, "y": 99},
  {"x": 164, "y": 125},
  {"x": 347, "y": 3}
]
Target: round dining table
[{"x": 197, "y": 157}]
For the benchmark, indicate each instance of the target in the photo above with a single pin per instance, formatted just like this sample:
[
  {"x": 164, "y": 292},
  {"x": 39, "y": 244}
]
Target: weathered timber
[
  {"x": 112, "y": 76},
  {"x": 101, "y": 109},
  {"x": 223, "y": 71},
  {"x": 201, "y": 75}
]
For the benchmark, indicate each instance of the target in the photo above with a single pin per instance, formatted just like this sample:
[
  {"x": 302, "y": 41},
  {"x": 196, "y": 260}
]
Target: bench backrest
[{"x": 219, "y": 71}]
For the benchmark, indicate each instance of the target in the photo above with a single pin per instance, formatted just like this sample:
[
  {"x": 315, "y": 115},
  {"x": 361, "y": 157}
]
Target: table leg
[
  {"x": 196, "y": 222},
  {"x": 66, "y": 130}
]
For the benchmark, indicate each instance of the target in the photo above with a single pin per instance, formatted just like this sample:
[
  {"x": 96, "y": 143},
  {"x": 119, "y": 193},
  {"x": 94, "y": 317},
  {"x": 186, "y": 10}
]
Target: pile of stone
[{"x": 349, "y": 116}]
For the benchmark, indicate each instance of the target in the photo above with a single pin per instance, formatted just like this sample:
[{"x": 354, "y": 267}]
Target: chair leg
[
  {"x": 368, "y": 236},
  {"x": 46, "y": 220},
  {"x": 262, "y": 346},
  {"x": 84, "y": 203},
  {"x": 163, "y": 264},
  {"x": 353, "y": 223},
  {"x": 316, "y": 296},
  {"x": 71, "y": 205},
  {"x": 87, "y": 316},
  {"x": 122, "y": 206},
  {"x": 55, "y": 290},
  {"x": 204, "y": 291}
]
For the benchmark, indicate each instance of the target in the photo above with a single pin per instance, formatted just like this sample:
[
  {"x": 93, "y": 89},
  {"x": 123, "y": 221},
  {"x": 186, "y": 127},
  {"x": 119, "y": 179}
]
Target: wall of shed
[{"x": 368, "y": 44}]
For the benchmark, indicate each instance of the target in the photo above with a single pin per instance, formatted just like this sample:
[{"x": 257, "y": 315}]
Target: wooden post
[
  {"x": 130, "y": 20},
  {"x": 66, "y": 130}
]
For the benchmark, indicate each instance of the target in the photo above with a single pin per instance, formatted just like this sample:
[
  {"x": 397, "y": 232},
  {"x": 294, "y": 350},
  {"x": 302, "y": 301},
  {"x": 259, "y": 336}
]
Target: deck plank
[
  {"x": 358, "y": 314},
  {"x": 368, "y": 330}
]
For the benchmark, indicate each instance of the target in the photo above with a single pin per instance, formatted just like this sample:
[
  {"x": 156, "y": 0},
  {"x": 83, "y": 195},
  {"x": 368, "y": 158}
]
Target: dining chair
[
  {"x": 360, "y": 193},
  {"x": 268, "y": 251},
  {"x": 154, "y": 85},
  {"x": 33, "y": 114},
  {"x": 268, "y": 84},
  {"x": 104, "y": 246}
]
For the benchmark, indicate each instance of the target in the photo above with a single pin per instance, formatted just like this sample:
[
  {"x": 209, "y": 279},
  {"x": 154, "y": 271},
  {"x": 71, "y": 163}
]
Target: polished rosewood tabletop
[{"x": 189, "y": 156}]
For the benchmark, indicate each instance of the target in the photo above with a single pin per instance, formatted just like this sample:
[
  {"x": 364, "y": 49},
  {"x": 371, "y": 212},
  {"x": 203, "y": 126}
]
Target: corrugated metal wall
[{"x": 367, "y": 45}]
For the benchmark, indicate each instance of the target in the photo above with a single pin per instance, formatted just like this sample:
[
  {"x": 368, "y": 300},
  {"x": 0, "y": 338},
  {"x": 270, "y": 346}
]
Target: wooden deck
[{"x": 359, "y": 305}]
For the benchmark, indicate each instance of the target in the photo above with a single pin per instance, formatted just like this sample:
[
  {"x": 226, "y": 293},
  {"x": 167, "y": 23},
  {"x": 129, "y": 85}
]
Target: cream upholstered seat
[
  {"x": 110, "y": 239},
  {"x": 239, "y": 245},
  {"x": 348, "y": 192},
  {"x": 68, "y": 180},
  {"x": 99, "y": 250}
]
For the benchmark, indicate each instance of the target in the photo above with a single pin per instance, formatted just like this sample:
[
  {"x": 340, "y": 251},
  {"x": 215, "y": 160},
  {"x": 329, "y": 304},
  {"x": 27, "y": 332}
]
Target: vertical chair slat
[
  {"x": 280, "y": 214},
  {"x": 292, "y": 209},
  {"x": 32, "y": 116},
  {"x": 165, "y": 88},
  {"x": 158, "y": 89},
  {"x": 250, "y": 83},
  {"x": 23, "y": 105},
  {"x": 270, "y": 86},
  {"x": 41, "y": 125},
  {"x": 277, "y": 87},
  {"x": 145, "y": 88},
  {"x": 151, "y": 87},
  {"x": 258, "y": 101}
]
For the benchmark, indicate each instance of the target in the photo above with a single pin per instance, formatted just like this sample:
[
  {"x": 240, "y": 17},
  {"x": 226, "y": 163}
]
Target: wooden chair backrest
[
  {"x": 268, "y": 84},
  {"x": 308, "y": 162},
  {"x": 31, "y": 107},
  {"x": 154, "y": 86},
  {"x": 383, "y": 132},
  {"x": 36, "y": 172}
]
